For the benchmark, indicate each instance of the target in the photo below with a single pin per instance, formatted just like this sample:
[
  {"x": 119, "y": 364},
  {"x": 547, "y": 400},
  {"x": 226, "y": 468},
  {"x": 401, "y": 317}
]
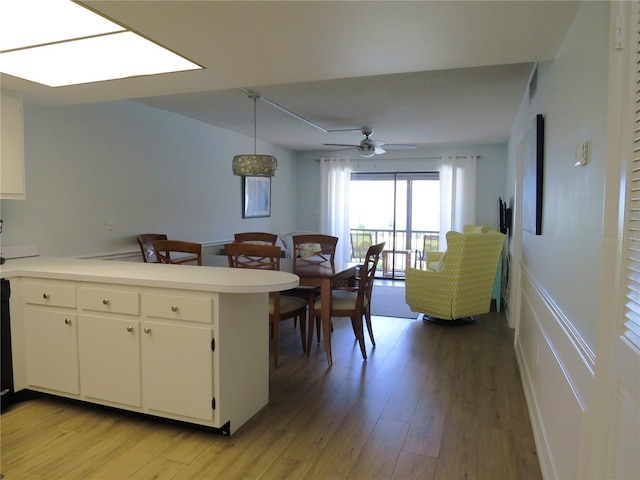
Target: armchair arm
[{"x": 434, "y": 260}]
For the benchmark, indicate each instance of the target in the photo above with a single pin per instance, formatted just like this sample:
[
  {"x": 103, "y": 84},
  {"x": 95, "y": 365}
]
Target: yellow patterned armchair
[{"x": 459, "y": 283}]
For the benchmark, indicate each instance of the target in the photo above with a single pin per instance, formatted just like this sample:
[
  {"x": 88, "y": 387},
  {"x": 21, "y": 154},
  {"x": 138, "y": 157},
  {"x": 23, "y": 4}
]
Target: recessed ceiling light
[{"x": 58, "y": 43}]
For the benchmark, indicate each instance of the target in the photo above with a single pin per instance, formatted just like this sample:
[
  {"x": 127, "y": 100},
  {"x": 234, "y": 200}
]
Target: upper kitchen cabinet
[{"x": 12, "y": 185}]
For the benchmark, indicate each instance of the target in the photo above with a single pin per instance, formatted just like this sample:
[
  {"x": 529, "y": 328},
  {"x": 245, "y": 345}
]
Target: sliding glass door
[{"x": 400, "y": 209}]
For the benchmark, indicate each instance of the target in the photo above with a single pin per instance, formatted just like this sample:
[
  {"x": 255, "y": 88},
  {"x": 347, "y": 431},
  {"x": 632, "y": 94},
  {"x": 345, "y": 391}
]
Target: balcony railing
[{"x": 408, "y": 245}]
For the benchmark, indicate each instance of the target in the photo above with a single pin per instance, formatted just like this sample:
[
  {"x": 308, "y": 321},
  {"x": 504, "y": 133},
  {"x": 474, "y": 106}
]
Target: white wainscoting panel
[{"x": 557, "y": 369}]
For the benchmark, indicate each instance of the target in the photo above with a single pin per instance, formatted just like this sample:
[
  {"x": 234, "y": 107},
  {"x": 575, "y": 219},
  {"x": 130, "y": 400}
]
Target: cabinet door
[
  {"x": 51, "y": 341},
  {"x": 11, "y": 148},
  {"x": 177, "y": 369},
  {"x": 110, "y": 359}
]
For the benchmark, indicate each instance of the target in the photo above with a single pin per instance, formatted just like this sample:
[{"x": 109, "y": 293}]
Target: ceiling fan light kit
[
  {"x": 246, "y": 165},
  {"x": 369, "y": 147}
]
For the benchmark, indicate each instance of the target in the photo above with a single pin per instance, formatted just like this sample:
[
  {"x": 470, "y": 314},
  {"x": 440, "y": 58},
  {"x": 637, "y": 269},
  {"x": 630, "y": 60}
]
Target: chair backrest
[
  {"x": 177, "y": 252},
  {"x": 249, "y": 255},
  {"x": 256, "y": 237},
  {"x": 360, "y": 242},
  {"x": 367, "y": 271},
  {"x": 146, "y": 245},
  {"x": 477, "y": 229},
  {"x": 314, "y": 248}
]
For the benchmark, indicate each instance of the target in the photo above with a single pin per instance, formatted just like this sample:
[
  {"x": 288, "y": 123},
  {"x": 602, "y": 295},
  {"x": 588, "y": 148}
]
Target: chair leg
[
  {"x": 276, "y": 342},
  {"x": 310, "y": 319},
  {"x": 303, "y": 333},
  {"x": 356, "y": 323},
  {"x": 367, "y": 317}
]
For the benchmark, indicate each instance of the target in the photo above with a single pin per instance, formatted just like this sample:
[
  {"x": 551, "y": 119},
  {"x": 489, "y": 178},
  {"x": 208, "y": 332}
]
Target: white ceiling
[{"x": 420, "y": 72}]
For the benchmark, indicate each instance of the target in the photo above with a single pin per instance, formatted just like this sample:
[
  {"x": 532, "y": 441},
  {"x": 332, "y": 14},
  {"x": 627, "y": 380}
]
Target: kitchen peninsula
[{"x": 182, "y": 342}]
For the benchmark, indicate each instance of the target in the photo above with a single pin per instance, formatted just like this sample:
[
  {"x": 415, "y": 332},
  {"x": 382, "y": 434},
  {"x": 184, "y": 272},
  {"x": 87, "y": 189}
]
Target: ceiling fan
[{"x": 369, "y": 147}]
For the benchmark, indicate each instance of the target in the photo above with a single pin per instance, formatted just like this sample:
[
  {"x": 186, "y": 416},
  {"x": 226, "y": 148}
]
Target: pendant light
[{"x": 254, "y": 165}]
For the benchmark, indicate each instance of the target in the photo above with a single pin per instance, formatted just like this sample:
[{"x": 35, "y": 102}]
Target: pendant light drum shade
[{"x": 254, "y": 165}]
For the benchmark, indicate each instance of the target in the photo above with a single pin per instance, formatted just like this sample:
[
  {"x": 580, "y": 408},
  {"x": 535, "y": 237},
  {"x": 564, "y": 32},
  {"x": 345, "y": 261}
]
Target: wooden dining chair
[
  {"x": 314, "y": 248},
  {"x": 281, "y": 307},
  {"x": 352, "y": 301},
  {"x": 146, "y": 245},
  {"x": 256, "y": 237},
  {"x": 177, "y": 252}
]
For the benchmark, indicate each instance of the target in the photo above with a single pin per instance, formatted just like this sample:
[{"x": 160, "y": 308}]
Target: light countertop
[{"x": 185, "y": 277}]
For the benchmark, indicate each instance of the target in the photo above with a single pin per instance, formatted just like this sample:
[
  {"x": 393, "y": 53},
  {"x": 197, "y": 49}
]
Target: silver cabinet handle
[
  {"x": 67, "y": 321},
  {"x": 105, "y": 301},
  {"x": 129, "y": 329},
  {"x": 147, "y": 330},
  {"x": 174, "y": 308}
]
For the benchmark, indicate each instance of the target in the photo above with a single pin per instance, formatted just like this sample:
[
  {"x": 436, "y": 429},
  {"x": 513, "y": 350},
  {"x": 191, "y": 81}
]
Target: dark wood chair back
[
  {"x": 177, "y": 252},
  {"x": 146, "y": 245},
  {"x": 256, "y": 237},
  {"x": 249, "y": 255},
  {"x": 314, "y": 248}
]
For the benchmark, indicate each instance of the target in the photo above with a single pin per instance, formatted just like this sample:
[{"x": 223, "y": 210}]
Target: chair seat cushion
[
  {"x": 287, "y": 304},
  {"x": 341, "y": 300}
]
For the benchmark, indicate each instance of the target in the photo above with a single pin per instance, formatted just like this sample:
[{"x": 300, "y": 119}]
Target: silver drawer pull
[
  {"x": 105, "y": 301},
  {"x": 45, "y": 296},
  {"x": 174, "y": 308},
  {"x": 129, "y": 329},
  {"x": 147, "y": 330},
  {"x": 67, "y": 321}
]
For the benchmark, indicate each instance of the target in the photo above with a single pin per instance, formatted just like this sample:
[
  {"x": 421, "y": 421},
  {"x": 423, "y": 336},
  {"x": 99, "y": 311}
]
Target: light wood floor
[{"x": 432, "y": 402}]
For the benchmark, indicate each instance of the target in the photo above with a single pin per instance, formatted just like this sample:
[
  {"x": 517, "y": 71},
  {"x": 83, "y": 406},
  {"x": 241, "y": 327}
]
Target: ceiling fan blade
[
  {"x": 343, "y": 149},
  {"x": 379, "y": 150},
  {"x": 340, "y": 145},
  {"x": 376, "y": 143},
  {"x": 399, "y": 146}
]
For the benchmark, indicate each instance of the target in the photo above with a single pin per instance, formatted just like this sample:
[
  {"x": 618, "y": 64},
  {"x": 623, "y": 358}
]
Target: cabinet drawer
[
  {"x": 178, "y": 307},
  {"x": 105, "y": 300},
  {"x": 53, "y": 294}
]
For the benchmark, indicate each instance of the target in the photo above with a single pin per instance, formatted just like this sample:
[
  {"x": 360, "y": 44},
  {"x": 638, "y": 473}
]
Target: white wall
[
  {"x": 491, "y": 176},
  {"x": 559, "y": 292},
  {"x": 146, "y": 169}
]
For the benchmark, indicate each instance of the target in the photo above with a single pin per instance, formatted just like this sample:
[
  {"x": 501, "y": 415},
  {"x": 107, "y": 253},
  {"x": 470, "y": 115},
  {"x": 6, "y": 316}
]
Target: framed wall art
[
  {"x": 532, "y": 181},
  {"x": 256, "y": 197}
]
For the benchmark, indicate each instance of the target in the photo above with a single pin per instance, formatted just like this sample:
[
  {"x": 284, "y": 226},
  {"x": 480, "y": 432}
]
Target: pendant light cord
[{"x": 255, "y": 122}]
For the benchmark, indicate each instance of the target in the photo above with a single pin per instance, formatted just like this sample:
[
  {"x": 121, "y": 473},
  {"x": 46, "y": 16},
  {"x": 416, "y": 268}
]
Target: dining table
[{"x": 324, "y": 275}]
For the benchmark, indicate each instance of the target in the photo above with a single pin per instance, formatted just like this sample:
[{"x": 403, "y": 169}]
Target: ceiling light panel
[
  {"x": 26, "y": 23},
  {"x": 58, "y": 43},
  {"x": 108, "y": 57}
]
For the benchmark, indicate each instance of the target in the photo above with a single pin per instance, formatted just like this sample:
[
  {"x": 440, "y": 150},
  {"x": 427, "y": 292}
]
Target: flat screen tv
[{"x": 504, "y": 216}]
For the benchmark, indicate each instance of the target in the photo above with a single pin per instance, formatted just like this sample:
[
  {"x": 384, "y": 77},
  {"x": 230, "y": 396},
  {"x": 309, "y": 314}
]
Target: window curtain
[
  {"x": 335, "y": 175},
  {"x": 457, "y": 195}
]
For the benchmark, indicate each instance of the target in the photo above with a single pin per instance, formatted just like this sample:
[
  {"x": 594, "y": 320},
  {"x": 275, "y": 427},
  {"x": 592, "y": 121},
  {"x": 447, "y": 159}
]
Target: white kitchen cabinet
[
  {"x": 109, "y": 344},
  {"x": 177, "y": 366},
  {"x": 178, "y": 353},
  {"x": 185, "y": 343},
  {"x": 51, "y": 333},
  {"x": 52, "y": 349},
  {"x": 12, "y": 183},
  {"x": 110, "y": 359}
]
